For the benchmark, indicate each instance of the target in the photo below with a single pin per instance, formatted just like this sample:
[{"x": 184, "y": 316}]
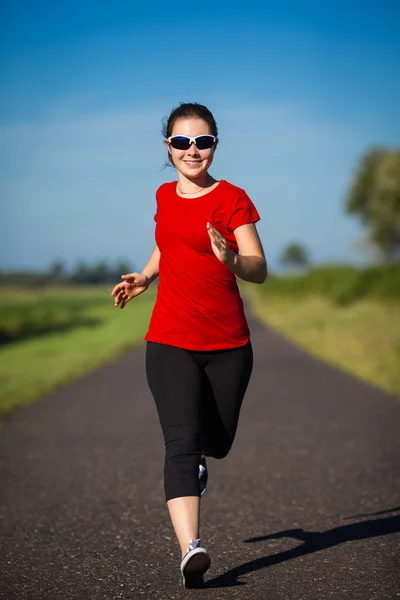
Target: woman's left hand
[{"x": 220, "y": 246}]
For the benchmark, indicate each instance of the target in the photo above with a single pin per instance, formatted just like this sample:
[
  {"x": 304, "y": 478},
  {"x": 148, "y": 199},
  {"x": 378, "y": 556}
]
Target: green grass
[
  {"x": 22, "y": 318},
  {"x": 362, "y": 338},
  {"x": 31, "y": 368},
  {"x": 341, "y": 284}
]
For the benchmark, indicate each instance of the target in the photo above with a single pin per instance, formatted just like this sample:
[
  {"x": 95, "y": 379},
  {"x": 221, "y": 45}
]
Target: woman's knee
[{"x": 220, "y": 449}]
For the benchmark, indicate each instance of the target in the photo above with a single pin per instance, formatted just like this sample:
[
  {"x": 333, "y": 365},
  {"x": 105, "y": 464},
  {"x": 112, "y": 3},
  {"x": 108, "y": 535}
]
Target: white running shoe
[
  {"x": 203, "y": 475},
  {"x": 194, "y": 564}
]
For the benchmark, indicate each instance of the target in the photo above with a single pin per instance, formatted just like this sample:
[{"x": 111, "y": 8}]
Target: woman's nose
[{"x": 193, "y": 149}]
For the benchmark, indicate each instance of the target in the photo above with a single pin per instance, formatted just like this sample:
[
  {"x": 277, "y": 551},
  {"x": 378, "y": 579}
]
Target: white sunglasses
[{"x": 183, "y": 142}]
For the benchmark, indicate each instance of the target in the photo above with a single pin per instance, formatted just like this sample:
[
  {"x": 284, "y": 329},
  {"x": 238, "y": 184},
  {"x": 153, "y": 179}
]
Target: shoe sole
[
  {"x": 206, "y": 480},
  {"x": 203, "y": 491},
  {"x": 193, "y": 570}
]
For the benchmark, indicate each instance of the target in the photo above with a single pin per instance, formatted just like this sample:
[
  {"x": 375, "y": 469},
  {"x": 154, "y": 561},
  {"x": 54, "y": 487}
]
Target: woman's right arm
[
  {"x": 135, "y": 284},
  {"x": 151, "y": 269}
]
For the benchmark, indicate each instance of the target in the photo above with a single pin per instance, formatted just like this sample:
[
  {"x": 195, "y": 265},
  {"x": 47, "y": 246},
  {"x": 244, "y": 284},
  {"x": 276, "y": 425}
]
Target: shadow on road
[{"x": 313, "y": 541}]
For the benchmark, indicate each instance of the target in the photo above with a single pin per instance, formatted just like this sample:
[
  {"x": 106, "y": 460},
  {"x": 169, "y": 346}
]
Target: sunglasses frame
[{"x": 192, "y": 140}]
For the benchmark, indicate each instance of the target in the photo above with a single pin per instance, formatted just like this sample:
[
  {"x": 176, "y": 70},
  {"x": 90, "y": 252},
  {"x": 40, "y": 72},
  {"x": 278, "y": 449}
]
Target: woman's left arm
[{"x": 250, "y": 264}]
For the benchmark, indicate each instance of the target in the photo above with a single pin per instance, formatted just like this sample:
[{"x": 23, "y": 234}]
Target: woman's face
[{"x": 191, "y": 163}]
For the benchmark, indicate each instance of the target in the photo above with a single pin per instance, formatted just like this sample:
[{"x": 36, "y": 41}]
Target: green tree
[
  {"x": 123, "y": 268},
  {"x": 295, "y": 255},
  {"x": 56, "y": 272},
  {"x": 374, "y": 196},
  {"x": 81, "y": 273},
  {"x": 100, "y": 273}
]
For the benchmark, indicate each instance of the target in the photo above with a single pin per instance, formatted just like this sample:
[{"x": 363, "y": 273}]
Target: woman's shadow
[{"x": 312, "y": 542}]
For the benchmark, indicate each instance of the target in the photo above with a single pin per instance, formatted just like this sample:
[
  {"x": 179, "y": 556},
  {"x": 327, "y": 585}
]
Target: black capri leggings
[{"x": 198, "y": 397}]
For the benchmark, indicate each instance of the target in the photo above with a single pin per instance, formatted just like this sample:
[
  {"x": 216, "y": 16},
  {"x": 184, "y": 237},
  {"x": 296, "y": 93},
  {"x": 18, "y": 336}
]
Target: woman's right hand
[{"x": 133, "y": 285}]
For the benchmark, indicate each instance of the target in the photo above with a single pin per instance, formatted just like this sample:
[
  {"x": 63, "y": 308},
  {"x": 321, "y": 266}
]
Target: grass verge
[
  {"x": 31, "y": 368},
  {"x": 362, "y": 338}
]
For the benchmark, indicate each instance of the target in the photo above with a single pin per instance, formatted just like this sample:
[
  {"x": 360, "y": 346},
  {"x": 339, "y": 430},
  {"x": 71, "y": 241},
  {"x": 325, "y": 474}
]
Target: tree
[
  {"x": 123, "y": 268},
  {"x": 100, "y": 273},
  {"x": 81, "y": 273},
  {"x": 295, "y": 255},
  {"x": 374, "y": 196},
  {"x": 56, "y": 272}
]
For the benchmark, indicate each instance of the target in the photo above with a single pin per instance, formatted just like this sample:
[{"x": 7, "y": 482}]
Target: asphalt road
[{"x": 306, "y": 506}]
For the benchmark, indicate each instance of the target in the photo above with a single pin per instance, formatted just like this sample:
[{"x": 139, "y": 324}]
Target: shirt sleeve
[{"x": 242, "y": 211}]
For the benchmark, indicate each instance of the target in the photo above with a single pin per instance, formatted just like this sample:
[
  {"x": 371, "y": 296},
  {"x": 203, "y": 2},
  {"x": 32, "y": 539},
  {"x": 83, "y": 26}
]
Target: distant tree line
[{"x": 83, "y": 274}]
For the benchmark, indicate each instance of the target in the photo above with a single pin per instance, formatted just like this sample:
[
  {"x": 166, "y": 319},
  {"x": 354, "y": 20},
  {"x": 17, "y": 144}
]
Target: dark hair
[{"x": 184, "y": 111}]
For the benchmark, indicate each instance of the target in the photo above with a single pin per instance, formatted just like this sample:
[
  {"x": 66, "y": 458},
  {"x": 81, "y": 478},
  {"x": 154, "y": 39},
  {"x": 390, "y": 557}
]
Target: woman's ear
[{"x": 169, "y": 152}]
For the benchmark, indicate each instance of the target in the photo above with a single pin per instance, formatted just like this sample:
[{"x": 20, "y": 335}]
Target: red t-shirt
[{"x": 198, "y": 305}]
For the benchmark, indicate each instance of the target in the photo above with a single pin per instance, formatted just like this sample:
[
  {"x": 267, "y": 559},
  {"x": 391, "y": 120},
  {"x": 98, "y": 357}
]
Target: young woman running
[{"x": 199, "y": 356}]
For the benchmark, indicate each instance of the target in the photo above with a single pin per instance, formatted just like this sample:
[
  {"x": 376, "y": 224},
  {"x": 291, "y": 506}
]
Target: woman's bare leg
[{"x": 185, "y": 517}]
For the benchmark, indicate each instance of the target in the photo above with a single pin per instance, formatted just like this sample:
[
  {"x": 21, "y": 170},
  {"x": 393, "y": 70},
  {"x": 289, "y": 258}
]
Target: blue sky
[{"x": 299, "y": 91}]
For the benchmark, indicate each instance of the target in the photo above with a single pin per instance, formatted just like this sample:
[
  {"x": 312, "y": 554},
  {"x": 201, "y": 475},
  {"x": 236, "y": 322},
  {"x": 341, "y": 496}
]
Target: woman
[{"x": 198, "y": 356}]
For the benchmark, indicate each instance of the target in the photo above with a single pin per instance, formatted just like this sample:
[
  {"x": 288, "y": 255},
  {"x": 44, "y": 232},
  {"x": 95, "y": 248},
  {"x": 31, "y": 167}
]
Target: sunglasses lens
[
  {"x": 180, "y": 142},
  {"x": 204, "y": 142}
]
